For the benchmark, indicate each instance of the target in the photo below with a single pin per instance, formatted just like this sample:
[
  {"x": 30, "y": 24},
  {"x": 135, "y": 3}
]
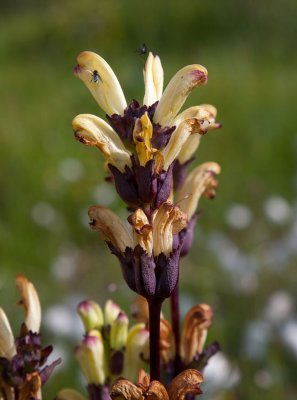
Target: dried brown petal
[
  {"x": 187, "y": 382},
  {"x": 156, "y": 391},
  {"x": 197, "y": 321},
  {"x": 200, "y": 181},
  {"x": 142, "y": 230},
  {"x": 169, "y": 220},
  {"x": 143, "y": 379},
  {"x": 30, "y": 302},
  {"x": 111, "y": 227},
  {"x": 124, "y": 389},
  {"x": 31, "y": 388}
]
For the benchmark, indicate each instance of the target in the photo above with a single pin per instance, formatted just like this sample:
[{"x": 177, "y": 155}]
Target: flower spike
[
  {"x": 106, "y": 90},
  {"x": 177, "y": 91}
]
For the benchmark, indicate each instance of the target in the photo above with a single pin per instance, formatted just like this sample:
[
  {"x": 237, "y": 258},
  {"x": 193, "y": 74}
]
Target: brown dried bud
[
  {"x": 187, "y": 382},
  {"x": 124, "y": 389},
  {"x": 156, "y": 391}
]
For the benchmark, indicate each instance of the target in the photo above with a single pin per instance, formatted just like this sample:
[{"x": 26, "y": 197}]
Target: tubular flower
[
  {"x": 186, "y": 383},
  {"x": 146, "y": 250},
  {"x": 23, "y": 369},
  {"x": 141, "y": 143}
]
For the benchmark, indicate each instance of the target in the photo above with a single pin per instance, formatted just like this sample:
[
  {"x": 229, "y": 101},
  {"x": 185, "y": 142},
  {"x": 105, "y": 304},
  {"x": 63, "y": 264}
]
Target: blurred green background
[{"x": 244, "y": 258}]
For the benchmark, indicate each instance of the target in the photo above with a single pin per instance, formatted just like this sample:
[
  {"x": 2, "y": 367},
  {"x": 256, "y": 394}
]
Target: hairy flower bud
[
  {"x": 111, "y": 312},
  {"x": 119, "y": 332},
  {"x": 90, "y": 355},
  {"x": 91, "y": 315},
  {"x": 136, "y": 350}
]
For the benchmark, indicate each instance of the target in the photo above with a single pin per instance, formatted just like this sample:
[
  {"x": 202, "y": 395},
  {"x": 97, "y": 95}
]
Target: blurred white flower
[
  {"x": 238, "y": 216},
  {"x": 219, "y": 374},
  {"x": 279, "y": 307},
  {"x": 71, "y": 169},
  {"x": 277, "y": 210},
  {"x": 44, "y": 214},
  {"x": 289, "y": 335}
]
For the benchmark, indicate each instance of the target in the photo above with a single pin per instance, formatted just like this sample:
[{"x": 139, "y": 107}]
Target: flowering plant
[{"x": 148, "y": 149}]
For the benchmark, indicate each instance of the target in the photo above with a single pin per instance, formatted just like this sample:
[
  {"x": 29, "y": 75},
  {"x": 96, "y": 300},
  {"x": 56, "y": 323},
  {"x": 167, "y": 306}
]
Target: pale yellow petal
[
  {"x": 106, "y": 89},
  {"x": 177, "y": 91},
  {"x": 178, "y": 139},
  {"x": 153, "y": 80},
  {"x": 94, "y": 131},
  {"x": 7, "y": 346}
]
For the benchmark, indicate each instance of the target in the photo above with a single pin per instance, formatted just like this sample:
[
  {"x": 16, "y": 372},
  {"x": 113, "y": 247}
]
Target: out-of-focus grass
[{"x": 248, "y": 48}]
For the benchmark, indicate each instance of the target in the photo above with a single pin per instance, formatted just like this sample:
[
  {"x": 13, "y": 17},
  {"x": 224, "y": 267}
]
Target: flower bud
[
  {"x": 91, "y": 315},
  {"x": 111, "y": 312},
  {"x": 137, "y": 350},
  {"x": 119, "y": 332},
  {"x": 90, "y": 355}
]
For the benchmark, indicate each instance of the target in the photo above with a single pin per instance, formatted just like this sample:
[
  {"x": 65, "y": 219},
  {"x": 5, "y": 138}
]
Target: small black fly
[
  {"x": 142, "y": 49},
  {"x": 96, "y": 77}
]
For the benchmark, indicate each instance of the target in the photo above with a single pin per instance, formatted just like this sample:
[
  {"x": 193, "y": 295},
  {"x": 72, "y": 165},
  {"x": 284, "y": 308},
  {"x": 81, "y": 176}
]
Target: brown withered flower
[
  {"x": 23, "y": 369},
  {"x": 187, "y": 382}
]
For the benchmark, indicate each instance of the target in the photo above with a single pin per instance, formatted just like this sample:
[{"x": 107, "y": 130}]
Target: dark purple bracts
[
  {"x": 151, "y": 277},
  {"x": 30, "y": 358},
  {"x": 180, "y": 173},
  {"x": 142, "y": 185}
]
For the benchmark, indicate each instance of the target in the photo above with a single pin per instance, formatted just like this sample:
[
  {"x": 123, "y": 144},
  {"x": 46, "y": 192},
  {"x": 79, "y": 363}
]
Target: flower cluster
[
  {"x": 148, "y": 149},
  {"x": 109, "y": 348},
  {"x": 23, "y": 369}
]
